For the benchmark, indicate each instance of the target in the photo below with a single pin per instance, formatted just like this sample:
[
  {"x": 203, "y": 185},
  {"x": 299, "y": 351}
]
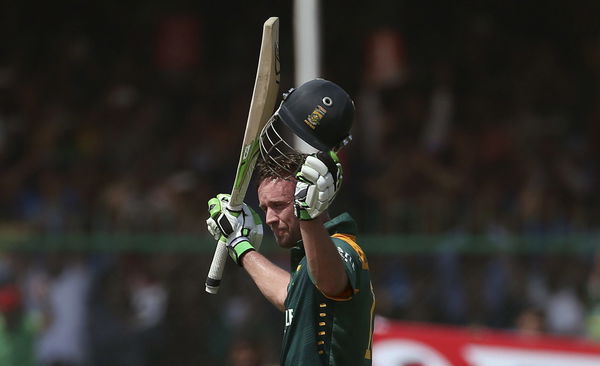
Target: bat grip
[{"x": 215, "y": 273}]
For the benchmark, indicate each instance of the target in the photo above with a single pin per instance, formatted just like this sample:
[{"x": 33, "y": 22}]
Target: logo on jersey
[
  {"x": 346, "y": 257},
  {"x": 289, "y": 316}
]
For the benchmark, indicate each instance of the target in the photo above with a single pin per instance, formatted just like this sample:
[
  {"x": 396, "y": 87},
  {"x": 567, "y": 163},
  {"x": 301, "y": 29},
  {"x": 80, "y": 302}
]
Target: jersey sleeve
[
  {"x": 353, "y": 257},
  {"x": 355, "y": 263}
]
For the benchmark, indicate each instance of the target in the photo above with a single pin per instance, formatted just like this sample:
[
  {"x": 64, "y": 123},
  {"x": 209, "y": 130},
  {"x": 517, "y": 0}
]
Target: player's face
[{"x": 276, "y": 198}]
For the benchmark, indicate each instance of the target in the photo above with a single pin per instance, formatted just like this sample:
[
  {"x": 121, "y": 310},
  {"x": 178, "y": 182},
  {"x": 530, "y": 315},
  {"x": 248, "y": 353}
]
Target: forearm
[
  {"x": 271, "y": 280},
  {"x": 324, "y": 261}
]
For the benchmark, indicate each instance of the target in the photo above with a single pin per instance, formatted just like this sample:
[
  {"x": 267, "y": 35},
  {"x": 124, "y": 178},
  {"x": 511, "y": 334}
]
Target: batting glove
[
  {"x": 240, "y": 230},
  {"x": 318, "y": 182}
]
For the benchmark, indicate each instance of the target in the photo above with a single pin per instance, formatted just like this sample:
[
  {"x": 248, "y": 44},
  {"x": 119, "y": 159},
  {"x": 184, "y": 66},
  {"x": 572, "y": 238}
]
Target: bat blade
[{"x": 264, "y": 96}]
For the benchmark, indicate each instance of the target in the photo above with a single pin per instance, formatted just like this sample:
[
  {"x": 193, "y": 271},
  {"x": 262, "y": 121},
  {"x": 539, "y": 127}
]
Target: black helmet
[{"x": 320, "y": 112}]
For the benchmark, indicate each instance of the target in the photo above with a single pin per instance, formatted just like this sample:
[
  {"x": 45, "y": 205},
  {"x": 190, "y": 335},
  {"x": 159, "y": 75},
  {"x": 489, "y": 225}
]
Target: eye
[{"x": 280, "y": 205}]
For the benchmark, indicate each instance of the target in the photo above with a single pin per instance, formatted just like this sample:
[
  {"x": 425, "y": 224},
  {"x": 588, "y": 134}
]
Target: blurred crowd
[{"x": 125, "y": 118}]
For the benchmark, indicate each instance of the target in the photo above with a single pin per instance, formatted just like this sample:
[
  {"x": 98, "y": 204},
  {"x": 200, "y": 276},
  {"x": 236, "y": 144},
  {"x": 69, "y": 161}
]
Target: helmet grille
[{"x": 277, "y": 153}]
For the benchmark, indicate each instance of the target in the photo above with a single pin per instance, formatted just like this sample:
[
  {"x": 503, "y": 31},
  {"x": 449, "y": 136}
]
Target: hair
[
  {"x": 279, "y": 167},
  {"x": 282, "y": 167}
]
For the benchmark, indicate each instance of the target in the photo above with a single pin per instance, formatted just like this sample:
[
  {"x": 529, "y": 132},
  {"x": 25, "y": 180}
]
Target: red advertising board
[{"x": 412, "y": 344}]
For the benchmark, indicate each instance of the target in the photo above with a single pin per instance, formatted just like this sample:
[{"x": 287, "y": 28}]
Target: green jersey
[{"x": 320, "y": 330}]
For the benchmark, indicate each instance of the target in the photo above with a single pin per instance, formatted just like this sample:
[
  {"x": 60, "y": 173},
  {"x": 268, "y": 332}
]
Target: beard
[{"x": 286, "y": 238}]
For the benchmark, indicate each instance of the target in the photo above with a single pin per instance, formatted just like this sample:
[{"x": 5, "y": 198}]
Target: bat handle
[{"x": 215, "y": 273}]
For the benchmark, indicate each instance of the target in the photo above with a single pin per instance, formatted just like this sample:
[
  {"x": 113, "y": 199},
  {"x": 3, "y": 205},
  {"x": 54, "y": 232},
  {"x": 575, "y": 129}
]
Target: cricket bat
[{"x": 264, "y": 96}]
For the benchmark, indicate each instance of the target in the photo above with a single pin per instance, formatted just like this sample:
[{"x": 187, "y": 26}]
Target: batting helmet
[{"x": 320, "y": 112}]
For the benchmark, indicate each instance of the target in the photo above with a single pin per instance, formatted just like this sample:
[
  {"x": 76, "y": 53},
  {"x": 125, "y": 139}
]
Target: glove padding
[
  {"x": 241, "y": 230},
  {"x": 318, "y": 182}
]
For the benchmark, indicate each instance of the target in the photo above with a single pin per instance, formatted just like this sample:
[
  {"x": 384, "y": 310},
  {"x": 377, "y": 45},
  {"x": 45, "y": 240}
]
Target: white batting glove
[
  {"x": 241, "y": 230},
  {"x": 319, "y": 181}
]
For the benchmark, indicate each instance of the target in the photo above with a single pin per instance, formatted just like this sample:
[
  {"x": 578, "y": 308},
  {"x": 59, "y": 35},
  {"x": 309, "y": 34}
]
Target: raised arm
[
  {"x": 241, "y": 231},
  {"x": 318, "y": 183},
  {"x": 271, "y": 280},
  {"x": 324, "y": 261}
]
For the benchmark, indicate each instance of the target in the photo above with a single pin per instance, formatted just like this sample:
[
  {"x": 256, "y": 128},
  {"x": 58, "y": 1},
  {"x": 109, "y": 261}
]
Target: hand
[
  {"x": 240, "y": 230},
  {"x": 319, "y": 181}
]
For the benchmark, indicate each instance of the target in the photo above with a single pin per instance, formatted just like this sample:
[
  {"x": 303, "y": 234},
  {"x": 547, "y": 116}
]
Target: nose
[{"x": 270, "y": 218}]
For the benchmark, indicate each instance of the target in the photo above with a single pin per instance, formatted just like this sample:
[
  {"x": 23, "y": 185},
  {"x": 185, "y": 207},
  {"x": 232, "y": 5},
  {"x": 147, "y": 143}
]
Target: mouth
[{"x": 276, "y": 230}]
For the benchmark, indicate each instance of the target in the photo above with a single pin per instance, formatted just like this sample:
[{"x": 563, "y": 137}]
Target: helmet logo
[{"x": 313, "y": 119}]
